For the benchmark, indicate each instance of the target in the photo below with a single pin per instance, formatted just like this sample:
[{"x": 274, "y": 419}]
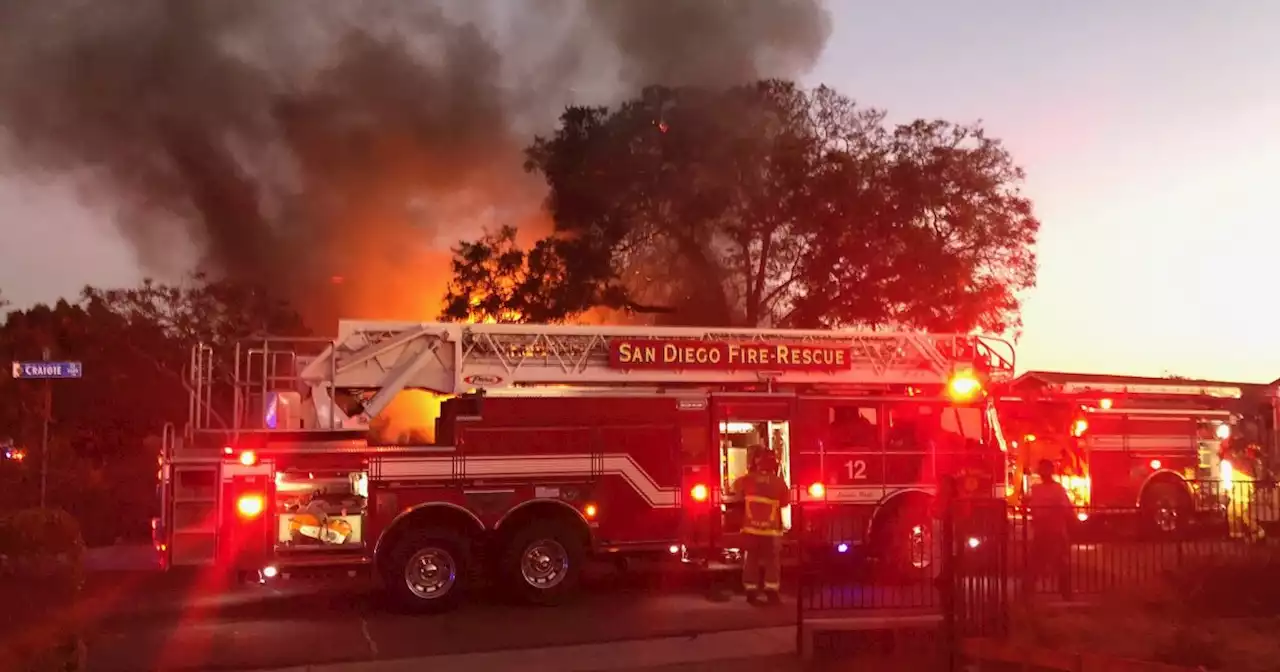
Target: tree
[
  {"x": 97, "y": 467},
  {"x": 136, "y": 347},
  {"x": 765, "y": 204},
  {"x": 169, "y": 320},
  {"x": 496, "y": 281},
  {"x": 201, "y": 310}
]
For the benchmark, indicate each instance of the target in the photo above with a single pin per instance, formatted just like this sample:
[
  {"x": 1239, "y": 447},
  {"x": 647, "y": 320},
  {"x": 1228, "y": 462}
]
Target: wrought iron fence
[
  {"x": 969, "y": 560},
  {"x": 1119, "y": 548},
  {"x": 841, "y": 568}
]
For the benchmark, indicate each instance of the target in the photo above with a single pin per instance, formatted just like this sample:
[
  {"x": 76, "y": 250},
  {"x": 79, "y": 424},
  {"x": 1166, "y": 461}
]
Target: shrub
[{"x": 41, "y": 573}]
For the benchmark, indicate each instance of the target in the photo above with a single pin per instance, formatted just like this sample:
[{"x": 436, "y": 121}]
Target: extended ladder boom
[{"x": 456, "y": 358}]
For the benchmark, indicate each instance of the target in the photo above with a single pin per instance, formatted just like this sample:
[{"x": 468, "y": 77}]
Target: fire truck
[
  {"x": 553, "y": 444},
  {"x": 1126, "y": 444}
]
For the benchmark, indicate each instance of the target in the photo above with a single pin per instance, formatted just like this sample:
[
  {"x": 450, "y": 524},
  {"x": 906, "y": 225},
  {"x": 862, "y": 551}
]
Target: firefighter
[
  {"x": 1051, "y": 515},
  {"x": 763, "y": 494}
]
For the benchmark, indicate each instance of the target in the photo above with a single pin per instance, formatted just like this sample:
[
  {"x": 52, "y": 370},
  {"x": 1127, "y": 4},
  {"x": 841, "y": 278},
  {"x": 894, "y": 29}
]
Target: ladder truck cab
[
  {"x": 555, "y": 443},
  {"x": 1260, "y": 442},
  {"x": 1121, "y": 444}
]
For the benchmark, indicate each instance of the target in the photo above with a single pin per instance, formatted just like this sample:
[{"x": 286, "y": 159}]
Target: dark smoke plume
[{"x": 332, "y": 150}]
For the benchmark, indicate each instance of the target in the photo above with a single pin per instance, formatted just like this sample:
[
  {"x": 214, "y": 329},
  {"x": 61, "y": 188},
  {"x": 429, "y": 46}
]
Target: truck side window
[
  {"x": 853, "y": 427},
  {"x": 917, "y": 427}
]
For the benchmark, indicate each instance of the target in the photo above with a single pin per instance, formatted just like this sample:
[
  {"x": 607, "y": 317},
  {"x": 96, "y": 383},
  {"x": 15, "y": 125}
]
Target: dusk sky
[{"x": 1150, "y": 132}]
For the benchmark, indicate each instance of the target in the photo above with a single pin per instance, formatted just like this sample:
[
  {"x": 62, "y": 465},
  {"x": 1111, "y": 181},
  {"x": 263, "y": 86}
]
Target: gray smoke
[{"x": 332, "y": 150}]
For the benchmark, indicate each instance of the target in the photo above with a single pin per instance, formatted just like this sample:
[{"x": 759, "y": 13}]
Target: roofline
[{"x": 1080, "y": 377}]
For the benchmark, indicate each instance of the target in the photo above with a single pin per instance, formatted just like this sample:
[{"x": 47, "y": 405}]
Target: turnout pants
[
  {"x": 1049, "y": 557},
  {"x": 762, "y": 566}
]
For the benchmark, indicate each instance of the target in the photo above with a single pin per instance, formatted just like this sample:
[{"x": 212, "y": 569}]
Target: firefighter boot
[{"x": 772, "y": 598}]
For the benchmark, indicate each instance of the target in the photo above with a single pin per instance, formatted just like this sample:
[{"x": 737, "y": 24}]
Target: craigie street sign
[{"x": 42, "y": 369}]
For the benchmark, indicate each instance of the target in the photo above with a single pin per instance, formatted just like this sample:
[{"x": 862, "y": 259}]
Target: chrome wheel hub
[
  {"x": 545, "y": 564},
  {"x": 431, "y": 573},
  {"x": 920, "y": 546}
]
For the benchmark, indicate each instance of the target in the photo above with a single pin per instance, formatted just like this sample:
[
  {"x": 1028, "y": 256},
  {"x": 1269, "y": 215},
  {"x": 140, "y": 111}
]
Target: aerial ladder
[{"x": 377, "y": 360}]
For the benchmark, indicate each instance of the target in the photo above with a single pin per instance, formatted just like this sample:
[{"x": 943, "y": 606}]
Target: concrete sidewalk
[{"x": 774, "y": 648}]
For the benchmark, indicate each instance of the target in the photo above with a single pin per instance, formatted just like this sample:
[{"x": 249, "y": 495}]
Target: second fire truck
[
  {"x": 555, "y": 443},
  {"x": 1152, "y": 446}
]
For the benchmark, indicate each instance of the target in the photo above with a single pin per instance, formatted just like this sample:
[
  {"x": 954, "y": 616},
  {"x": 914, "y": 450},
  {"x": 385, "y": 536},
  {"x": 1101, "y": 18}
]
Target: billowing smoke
[{"x": 333, "y": 150}]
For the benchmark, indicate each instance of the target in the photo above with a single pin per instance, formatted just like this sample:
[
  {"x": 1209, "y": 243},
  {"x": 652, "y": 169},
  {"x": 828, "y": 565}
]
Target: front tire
[
  {"x": 428, "y": 571},
  {"x": 1165, "y": 508},
  {"x": 542, "y": 562}
]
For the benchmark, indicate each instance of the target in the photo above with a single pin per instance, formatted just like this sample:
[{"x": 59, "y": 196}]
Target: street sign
[{"x": 41, "y": 369}]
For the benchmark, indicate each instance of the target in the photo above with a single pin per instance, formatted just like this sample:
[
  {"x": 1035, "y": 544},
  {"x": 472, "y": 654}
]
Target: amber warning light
[
  {"x": 964, "y": 386},
  {"x": 250, "y": 506}
]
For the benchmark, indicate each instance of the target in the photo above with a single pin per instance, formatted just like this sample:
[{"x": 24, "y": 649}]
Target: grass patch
[
  {"x": 1222, "y": 614},
  {"x": 41, "y": 574}
]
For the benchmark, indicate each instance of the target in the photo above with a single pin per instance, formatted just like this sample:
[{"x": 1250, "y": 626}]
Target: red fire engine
[
  {"x": 1146, "y": 444},
  {"x": 558, "y": 442}
]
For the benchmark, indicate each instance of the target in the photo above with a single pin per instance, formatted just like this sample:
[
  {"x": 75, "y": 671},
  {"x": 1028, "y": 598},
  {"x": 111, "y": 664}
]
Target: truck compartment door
[
  {"x": 738, "y": 422},
  {"x": 189, "y": 521}
]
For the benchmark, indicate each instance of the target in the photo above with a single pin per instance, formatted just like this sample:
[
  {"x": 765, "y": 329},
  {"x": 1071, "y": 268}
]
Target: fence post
[
  {"x": 947, "y": 586},
  {"x": 799, "y": 532}
]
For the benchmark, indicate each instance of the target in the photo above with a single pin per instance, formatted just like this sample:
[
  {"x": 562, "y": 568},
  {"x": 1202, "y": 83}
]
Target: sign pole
[
  {"x": 46, "y": 370},
  {"x": 44, "y": 436}
]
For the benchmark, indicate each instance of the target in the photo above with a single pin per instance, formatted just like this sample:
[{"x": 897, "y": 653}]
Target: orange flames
[{"x": 410, "y": 418}]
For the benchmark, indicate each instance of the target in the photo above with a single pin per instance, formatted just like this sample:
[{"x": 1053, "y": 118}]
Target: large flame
[{"x": 410, "y": 418}]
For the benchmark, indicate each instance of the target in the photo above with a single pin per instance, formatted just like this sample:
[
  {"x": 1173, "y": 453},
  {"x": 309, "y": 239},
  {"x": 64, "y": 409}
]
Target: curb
[{"x": 627, "y": 655}]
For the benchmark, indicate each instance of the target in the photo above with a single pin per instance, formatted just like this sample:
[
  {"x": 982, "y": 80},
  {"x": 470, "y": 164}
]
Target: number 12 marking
[{"x": 857, "y": 470}]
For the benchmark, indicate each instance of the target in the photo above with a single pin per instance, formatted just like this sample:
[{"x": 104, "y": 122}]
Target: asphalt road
[
  {"x": 139, "y": 621},
  {"x": 150, "y": 621}
]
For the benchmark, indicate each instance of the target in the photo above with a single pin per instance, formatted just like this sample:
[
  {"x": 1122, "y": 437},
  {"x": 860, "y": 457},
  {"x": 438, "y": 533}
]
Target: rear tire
[
  {"x": 428, "y": 571},
  {"x": 905, "y": 542},
  {"x": 542, "y": 562}
]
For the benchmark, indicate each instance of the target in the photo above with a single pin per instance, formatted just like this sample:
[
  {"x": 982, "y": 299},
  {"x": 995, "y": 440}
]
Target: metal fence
[
  {"x": 969, "y": 561},
  {"x": 1120, "y": 548}
]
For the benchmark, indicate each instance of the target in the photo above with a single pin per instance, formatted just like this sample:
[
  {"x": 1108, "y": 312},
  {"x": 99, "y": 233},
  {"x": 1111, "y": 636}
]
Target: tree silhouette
[
  {"x": 766, "y": 204},
  {"x": 135, "y": 345}
]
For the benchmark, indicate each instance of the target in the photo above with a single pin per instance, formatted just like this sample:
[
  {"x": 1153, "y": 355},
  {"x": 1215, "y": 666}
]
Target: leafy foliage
[
  {"x": 765, "y": 204},
  {"x": 200, "y": 311},
  {"x": 496, "y": 281}
]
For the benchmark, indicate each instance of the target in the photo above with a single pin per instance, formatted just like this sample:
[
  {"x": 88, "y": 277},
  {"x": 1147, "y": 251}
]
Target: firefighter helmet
[{"x": 767, "y": 461}]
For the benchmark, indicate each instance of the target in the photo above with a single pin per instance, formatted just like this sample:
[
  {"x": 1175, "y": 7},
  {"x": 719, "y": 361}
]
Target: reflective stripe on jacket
[{"x": 763, "y": 497}]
